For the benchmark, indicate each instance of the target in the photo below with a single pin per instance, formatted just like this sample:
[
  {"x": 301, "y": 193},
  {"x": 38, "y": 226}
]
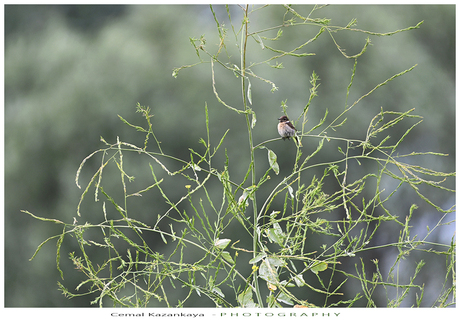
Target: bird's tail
[{"x": 298, "y": 141}]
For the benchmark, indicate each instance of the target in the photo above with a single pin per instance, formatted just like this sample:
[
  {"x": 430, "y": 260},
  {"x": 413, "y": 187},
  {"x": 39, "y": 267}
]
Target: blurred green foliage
[{"x": 70, "y": 70}]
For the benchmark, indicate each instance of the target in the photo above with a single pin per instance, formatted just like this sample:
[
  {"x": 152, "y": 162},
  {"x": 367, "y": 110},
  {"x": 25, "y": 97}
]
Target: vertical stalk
[{"x": 244, "y": 39}]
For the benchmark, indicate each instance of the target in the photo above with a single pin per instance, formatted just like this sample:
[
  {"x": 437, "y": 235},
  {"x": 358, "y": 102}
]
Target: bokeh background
[{"x": 70, "y": 70}]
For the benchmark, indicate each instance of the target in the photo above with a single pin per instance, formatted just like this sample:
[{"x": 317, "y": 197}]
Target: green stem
[{"x": 244, "y": 40}]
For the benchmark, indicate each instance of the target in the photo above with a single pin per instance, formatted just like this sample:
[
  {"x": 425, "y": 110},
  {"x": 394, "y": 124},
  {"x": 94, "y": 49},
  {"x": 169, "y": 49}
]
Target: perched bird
[{"x": 286, "y": 129}]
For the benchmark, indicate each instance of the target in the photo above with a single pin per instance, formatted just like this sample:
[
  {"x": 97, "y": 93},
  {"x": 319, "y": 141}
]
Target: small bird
[{"x": 286, "y": 129}]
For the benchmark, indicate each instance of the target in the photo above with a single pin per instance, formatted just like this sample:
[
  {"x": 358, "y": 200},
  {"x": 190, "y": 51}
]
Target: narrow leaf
[
  {"x": 272, "y": 161},
  {"x": 227, "y": 257},
  {"x": 249, "y": 93},
  {"x": 222, "y": 243},
  {"x": 257, "y": 258},
  {"x": 321, "y": 266}
]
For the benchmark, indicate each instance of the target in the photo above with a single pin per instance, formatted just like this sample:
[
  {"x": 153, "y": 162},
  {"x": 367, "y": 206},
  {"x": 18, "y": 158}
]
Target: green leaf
[
  {"x": 245, "y": 299},
  {"x": 227, "y": 257},
  {"x": 287, "y": 284},
  {"x": 218, "y": 291},
  {"x": 249, "y": 93},
  {"x": 259, "y": 41},
  {"x": 276, "y": 234},
  {"x": 272, "y": 161},
  {"x": 283, "y": 298},
  {"x": 274, "y": 237},
  {"x": 276, "y": 261},
  {"x": 299, "y": 281},
  {"x": 268, "y": 272},
  {"x": 320, "y": 266},
  {"x": 291, "y": 191},
  {"x": 222, "y": 243},
  {"x": 257, "y": 258}
]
